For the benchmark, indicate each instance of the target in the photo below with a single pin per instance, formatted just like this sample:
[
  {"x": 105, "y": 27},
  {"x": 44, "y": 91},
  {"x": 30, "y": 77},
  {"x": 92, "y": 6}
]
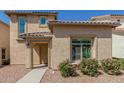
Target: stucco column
[
  {"x": 28, "y": 55},
  {"x": 0, "y": 56}
]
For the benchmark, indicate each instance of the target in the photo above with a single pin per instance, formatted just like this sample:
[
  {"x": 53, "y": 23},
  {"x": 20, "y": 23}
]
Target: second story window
[
  {"x": 42, "y": 20},
  {"x": 22, "y": 25}
]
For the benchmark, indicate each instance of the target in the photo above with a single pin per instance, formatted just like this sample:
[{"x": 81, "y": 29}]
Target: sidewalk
[{"x": 33, "y": 76}]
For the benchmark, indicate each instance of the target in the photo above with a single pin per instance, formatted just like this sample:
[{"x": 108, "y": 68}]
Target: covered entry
[
  {"x": 40, "y": 53},
  {"x": 37, "y": 49}
]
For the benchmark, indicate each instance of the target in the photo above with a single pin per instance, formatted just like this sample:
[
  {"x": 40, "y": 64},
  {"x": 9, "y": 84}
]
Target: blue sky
[{"x": 73, "y": 14}]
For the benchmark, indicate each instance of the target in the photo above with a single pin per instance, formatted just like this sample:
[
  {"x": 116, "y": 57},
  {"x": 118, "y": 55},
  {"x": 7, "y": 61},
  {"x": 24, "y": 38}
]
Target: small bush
[
  {"x": 89, "y": 67},
  {"x": 110, "y": 66},
  {"x": 67, "y": 69},
  {"x": 121, "y": 60}
]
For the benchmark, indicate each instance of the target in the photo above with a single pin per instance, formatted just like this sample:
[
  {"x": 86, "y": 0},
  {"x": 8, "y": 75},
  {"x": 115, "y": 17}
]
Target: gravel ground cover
[
  {"x": 12, "y": 73},
  {"x": 55, "y": 77}
]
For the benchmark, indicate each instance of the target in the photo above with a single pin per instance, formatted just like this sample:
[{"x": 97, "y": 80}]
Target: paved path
[{"x": 33, "y": 76}]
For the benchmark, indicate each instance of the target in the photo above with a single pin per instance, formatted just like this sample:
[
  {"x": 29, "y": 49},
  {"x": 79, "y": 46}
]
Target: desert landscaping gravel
[
  {"x": 12, "y": 73},
  {"x": 55, "y": 77}
]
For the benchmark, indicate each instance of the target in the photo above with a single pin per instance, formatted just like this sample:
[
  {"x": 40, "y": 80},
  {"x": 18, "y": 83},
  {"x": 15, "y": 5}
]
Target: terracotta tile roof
[
  {"x": 107, "y": 16},
  {"x": 25, "y": 12},
  {"x": 116, "y": 15},
  {"x": 111, "y": 15},
  {"x": 36, "y": 35},
  {"x": 109, "y": 23}
]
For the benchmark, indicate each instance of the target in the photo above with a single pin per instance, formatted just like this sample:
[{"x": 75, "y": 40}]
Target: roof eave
[
  {"x": 102, "y": 24},
  {"x": 51, "y": 24}
]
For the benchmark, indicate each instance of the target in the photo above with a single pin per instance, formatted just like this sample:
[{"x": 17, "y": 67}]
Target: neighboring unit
[
  {"x": 39, "y": 38},
  {"x": 117, "y": 33},
  {"x": 4, "y": 42}
]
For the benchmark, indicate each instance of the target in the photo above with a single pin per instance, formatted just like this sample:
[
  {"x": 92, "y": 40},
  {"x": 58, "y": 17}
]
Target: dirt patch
[
  {"x": 55, "y": 77},
  {"x": 12, "y": 73}
]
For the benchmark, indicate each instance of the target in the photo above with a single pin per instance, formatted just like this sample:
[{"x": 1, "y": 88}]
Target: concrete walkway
[{"x": 33, "y": 76}]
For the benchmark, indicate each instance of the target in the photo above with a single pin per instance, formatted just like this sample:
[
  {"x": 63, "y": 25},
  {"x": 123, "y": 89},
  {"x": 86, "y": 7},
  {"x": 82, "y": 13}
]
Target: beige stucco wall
[
  {"x": 17, "y": 46},
  {"x": 4, "y": 38},
  {"x": 117, "y": 42},
  {"x": 33, "y": 23},
  {"x": 61, "y": 42}
]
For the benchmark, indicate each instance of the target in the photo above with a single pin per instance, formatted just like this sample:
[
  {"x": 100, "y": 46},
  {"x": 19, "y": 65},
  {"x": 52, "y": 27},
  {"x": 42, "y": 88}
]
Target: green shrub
[
  {"x": 121, "y": 60},
  {"x": 89, "y": 67},
  {"x": 67, "y": 69},
  {"x": 110, "y": 66}
]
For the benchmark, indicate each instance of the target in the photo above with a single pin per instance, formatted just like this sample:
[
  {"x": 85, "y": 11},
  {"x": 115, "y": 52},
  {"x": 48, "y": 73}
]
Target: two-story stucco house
[
  {"x": 117, "y": 33},
  {"x": 39, "y": 38},
  {"x": 4, "y": 42}
]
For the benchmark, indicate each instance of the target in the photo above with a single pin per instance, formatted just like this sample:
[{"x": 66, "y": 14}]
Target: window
[
  {"x": 81, "y": 48},
  {"x": 43, "y": 20},
  {"x": 3, "y": 54},
  {"x": 22, "y": 25}
]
